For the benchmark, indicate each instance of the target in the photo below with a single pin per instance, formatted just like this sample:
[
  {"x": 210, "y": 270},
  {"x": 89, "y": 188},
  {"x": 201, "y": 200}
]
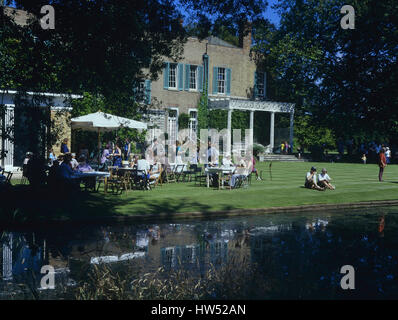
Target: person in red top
[{"x": 382, "y": 164}]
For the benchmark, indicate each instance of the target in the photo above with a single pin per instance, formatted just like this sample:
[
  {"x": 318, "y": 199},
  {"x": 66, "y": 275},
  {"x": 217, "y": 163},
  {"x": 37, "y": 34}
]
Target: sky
[{"x": 269, "y": 13}]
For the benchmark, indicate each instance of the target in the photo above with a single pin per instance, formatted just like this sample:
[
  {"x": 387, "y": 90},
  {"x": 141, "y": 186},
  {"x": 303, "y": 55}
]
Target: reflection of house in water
[
  {"x": 185, "y": 250},
  {"x": 262, "y": 238}
]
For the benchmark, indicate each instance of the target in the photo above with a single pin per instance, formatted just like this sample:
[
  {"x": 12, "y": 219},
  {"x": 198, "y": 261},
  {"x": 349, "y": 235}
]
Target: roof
[{"x": 219, "y": 42}]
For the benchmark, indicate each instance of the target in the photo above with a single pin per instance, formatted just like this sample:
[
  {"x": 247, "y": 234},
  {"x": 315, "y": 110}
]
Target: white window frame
[
  {"x": 221, "y": 81},
  {"x": 173, "y": 119},
  {"x": 173, "y": 66},
  {"x": 193, "y": 120},
  {"x": 196, "y": 77}
]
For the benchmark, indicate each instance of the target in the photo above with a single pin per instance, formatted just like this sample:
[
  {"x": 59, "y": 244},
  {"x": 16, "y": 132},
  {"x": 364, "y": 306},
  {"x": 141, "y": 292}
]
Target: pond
[{"x": 273, "y": 256}]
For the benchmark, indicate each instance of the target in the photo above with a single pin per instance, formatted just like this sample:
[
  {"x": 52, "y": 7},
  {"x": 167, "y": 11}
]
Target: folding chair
[
  {"x": 114, "y": 182},
  {"x": 159, "y": 179},
  {"x": 178, "y": 171},
  {"x": 8, "y": 177},
  {"x": 170, "y": 175}
]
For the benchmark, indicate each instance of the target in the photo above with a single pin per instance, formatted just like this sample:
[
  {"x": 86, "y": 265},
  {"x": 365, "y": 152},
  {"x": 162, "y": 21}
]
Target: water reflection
[{"x": 301, "y": 253}]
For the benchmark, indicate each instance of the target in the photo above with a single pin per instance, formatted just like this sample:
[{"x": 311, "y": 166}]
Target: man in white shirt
[
  {"x": 226, "y": 161},
  {"x": 212, "y": 155},
  {"x": 143, "y": 165},
  {"x": 74, "y": 163},
  {"x": 311, "y": 181},
  {"x": 324, "y": 180}
]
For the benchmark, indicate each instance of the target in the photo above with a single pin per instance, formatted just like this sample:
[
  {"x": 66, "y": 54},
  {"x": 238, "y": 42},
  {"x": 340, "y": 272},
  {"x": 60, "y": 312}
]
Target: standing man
[{"x": 382, "y": 164}]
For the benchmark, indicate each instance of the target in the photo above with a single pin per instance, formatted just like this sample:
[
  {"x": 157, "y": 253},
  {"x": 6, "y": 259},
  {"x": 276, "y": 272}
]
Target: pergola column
[
  {"x": 291, "y": 130},
  {"x": 271, "y": 133},
  {"x": 229, "y": 128},
  {"x": 251, "y": 127}
]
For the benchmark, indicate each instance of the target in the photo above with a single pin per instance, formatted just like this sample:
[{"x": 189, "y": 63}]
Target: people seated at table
[
  {"x": 212, "y": 155},
  {"x": 242, "y": 170},
  {"x": 65, "y": 173},
  {"x": 143, "y": 168},
  {"x": 311, "y": 180},
  {"x": 155, "y": 171},
  {"x": 226, "y": 161},
  {"x": 52, "y": 178},
  {"x": 73, "y": 162},
  {"x": 35, "y": 171},
  {"x": 83, "y": 165},
  {"x": 117, "y": 156},
  {"x": 324, "y": 180}
]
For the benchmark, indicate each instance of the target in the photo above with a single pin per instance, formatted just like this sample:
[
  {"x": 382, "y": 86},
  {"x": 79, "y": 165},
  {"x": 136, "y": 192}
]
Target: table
[
  {"x": 220, "y": 171},
  {"x": 94, "y": 174}
]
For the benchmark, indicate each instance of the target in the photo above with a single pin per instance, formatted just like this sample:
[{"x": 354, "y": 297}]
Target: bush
[{"x": 257, "y": 149}]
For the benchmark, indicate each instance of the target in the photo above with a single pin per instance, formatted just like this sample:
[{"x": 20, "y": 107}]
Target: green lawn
[{"x": 354, "y": 183}]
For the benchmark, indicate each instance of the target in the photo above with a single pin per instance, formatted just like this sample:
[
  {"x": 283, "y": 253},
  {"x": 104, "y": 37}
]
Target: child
[{"x": 364, "y": 158}]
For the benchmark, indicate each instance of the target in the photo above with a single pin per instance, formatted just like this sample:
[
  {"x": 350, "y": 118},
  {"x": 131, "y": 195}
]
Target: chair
[
  {"x": 178, "y": 171},
  {"x": 225, "y": 179},
  {"x": 114, "y": 182},
  {"x": 8, "y": 176},
  {"x": 194, "y": 170},
  {"x": 139, "y": 178},
  {"x": 169, "y": 174},
  {"x": 200, "y": 178},
  {"x": 159, "y": 179}
]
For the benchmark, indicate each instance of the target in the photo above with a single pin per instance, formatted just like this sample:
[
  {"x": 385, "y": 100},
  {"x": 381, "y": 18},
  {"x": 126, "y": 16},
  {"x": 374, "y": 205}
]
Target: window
[
  {"x": 193, "y": 123},
  {"x": 173, "y": 76},
  {"x": 193, "y": 72},
  {"x": 172, "y": 124},
  {"x": 221, "y": 80},
  {"x": 260, "y": 85}
]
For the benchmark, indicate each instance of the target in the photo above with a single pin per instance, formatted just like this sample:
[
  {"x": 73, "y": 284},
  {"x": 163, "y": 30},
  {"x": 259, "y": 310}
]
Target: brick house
[{"x": 234, "y": 83}]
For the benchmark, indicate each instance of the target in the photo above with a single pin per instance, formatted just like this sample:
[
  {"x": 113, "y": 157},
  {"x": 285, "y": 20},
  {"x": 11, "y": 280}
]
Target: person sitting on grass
[
  {"x": 324, "y": 180},
  {"x": 310, "y": 180}
]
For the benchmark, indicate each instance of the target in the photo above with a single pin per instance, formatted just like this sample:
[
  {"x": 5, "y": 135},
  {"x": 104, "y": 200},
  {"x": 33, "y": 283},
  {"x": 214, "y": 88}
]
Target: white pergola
[{"x": 252, "y": 105}]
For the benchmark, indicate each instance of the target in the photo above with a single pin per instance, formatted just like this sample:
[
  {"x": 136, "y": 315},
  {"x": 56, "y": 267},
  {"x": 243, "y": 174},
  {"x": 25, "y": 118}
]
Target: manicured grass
[{"x": 354, "y": 183}]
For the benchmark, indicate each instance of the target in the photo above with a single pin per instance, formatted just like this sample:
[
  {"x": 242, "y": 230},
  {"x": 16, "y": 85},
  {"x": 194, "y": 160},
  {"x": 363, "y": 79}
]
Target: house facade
[{"x": 233, "y": 83}]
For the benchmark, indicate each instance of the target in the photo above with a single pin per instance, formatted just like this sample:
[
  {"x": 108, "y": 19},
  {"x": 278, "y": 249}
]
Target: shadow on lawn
[{"x": 25, "y": 206}]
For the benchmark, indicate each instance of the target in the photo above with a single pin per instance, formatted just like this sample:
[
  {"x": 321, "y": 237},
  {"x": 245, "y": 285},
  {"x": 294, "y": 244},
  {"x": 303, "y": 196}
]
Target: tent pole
[{"x": 99, "y": 148}]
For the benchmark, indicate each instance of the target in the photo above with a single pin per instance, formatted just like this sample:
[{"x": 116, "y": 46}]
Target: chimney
[{"x": 245, "y": 36}]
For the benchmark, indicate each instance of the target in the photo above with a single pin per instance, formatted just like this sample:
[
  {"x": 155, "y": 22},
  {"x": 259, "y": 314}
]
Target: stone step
[{"x": 279, "y": 157}]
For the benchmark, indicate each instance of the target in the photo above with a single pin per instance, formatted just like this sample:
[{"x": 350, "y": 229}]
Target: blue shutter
[
  {"x": 187, "y": 69},
  {"x": 215, "y": 79},
  {"x": 166, "y": 75},
  {"x": 228, "y": 76},
  {"x": 200, "y": 78},
  {"x": 180, "y": 70},
  {"x": 255, "y": 88},
  {"x": 148, "y": 91},
  {"x": 265, "y": 85}
]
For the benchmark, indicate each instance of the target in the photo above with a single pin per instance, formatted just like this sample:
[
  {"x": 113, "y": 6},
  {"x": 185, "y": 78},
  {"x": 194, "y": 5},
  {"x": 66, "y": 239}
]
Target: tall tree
[{"x": 343, "y": 79}]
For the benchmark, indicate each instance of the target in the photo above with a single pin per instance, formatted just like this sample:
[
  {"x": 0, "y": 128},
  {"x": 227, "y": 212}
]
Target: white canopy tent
[{"x": 104, "y": 122}]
